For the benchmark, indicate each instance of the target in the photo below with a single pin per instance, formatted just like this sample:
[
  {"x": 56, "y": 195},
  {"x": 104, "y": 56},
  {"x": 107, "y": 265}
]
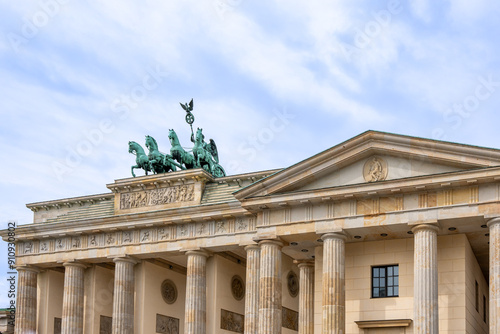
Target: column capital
[
  {"x": 125, "y": 258},
  {"x": 334, "y": 235},
  {"x": 252, "y": 247},
  {"x": 75, "y": 264},
  {"x": 304, "y": 263},
  {"x": 276, "y": 242},
  {"x": 493, "y": 221},
  {"x": 28, "y": 268},
  {"x": 199, "y": 252},
  {"x": 425, "y": 227}
]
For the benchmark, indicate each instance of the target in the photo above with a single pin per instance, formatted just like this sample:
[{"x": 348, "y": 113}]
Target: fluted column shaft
[
  {"x": 252, "y": 290},
  {"x": 494, "y": 226},
  {"x": 195, "y": 318},
  {"x": 425, "y": 308},
  {"x": 270, "y": 309},
  {"x": 306, "y": 298},
  {"x": 123, "y": 296},
  {"x": 72, "y": 313},
  {"x": 26, "y": 300},
  {"x": 333, "y": 283}
]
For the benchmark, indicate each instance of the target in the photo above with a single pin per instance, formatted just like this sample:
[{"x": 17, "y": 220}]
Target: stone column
[
  {"x": 123, "y": 296},
  {"x": 494, "y": 226},
  {"x": 72, "y": 311},
  {"x": 252, "y": 290},
  {"x": 270, "y": 286},
  {"x": 425, "y": 296},
  {"x": 333, "y": 283},
  {"x": 26, "y": 300},
  {"x": 306, "y": 298},
  {"x": 195, "y": 317}
]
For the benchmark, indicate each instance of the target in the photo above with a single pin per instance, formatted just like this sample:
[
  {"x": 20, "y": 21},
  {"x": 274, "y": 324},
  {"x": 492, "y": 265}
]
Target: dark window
[
  {"x": 477, "y": 297},
  {"x": 385, "y": 281},
  {"x": 484, "y": 308}
]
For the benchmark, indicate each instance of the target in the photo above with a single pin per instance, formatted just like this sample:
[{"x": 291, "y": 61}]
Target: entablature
[{"x": 389, "y": 188}]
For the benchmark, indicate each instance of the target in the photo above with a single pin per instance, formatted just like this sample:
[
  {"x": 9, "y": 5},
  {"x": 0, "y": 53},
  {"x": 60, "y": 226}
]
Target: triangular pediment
[{"x": 374, "y": 157}]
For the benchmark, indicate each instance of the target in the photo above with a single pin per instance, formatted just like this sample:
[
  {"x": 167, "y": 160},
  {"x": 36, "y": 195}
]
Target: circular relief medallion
[
  {"x": 168, "y": 291},
  {"x": 293, "y": 283},
  {"x": 375, "y": 169},
  {"x": 237, "y": 287}
]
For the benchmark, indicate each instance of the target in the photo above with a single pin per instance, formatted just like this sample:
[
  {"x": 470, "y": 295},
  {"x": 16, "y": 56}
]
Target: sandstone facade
[{"x": 380, "y": 234}]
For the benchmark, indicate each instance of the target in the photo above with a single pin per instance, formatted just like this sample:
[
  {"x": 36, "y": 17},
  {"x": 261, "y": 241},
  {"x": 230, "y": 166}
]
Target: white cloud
[
  {"x": 464, "y": 11},
  {"x": 421, "y": 9}
]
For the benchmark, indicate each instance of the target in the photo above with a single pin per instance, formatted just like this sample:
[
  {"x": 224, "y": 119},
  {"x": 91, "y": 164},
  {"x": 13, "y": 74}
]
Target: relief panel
[
  {"x": 231, "y": 321},
  {"x": 166, "y": 324},
  {"x": 157, "y": 197}
]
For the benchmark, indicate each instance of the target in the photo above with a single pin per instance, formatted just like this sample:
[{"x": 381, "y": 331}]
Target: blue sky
[{"x": 273, "y": 83}]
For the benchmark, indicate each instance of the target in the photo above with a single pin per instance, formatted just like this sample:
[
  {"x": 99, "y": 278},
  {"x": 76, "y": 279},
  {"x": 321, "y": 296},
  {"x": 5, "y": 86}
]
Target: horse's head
[
  {"x": 151, "y": 143},
  {"x": 199, "y": 135},
  {"x": 172, "y": 136},
  {"x": 131, "y": 146}
]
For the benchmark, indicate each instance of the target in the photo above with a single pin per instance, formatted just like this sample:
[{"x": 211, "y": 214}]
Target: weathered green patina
[
  {"x": 203, "y": 155},
  {"x": 141, "y": 160}
]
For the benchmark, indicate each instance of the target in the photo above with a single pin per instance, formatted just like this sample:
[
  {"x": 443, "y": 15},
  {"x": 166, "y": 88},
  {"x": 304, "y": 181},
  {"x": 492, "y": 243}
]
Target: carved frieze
[
  {"x": 202, "y": 229},
  {"x": 110, "y": 239},
  {"x": 241, "y": 225},
  {"x": 155, "y": 197},
  {"x": 127, "y": 237},
  {"x": 76, "y": 242},
  {"x": 183, "y": 231},
  {"x": 220, "y": 227},
  {"x": 136, "y": 236},
  {"x": 163, "y": 233},
  {"x": 231, "y": 321},
  {"x": 146, "y": 236},
  {"x": 60, "y": 244},
  {"x": 165, "y": 324},
  {"x": 93, "y": 240},
  {"x": 29, "y": 247},
  {"x": 44, "y": 246}
]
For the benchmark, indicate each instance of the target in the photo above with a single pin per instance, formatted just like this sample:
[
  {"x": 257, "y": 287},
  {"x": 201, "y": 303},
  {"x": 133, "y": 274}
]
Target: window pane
[{"x": 385, "y": 281}]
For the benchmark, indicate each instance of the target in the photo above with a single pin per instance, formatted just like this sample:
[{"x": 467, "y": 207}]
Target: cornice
[
  {"x": 390, "y": 187},
  {"x": 68, "y": 202},
  {"x": 154, "y": 181}
]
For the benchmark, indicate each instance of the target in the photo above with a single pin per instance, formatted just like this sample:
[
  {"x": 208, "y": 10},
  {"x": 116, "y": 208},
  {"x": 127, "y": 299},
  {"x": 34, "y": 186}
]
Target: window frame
[{"x": 386, "y": 278}]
